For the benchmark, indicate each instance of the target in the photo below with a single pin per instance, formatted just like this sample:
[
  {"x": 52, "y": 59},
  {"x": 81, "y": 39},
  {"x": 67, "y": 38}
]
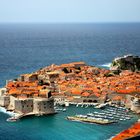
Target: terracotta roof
[
  {"x": 76, "y": 91},
  {"x": 66, "y": 65},
  {"x": 117, "y": 98},
  {"x": 86, "y": 94},
  {"x": 129, "y": 133}
]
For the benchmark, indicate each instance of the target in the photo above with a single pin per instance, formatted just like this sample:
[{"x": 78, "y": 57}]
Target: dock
[{"x": 89, "y": 120}]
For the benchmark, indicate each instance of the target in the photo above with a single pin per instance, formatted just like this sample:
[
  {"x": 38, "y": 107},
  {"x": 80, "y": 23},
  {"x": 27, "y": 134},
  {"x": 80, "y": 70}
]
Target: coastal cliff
[{"x": 127, "y": 62}]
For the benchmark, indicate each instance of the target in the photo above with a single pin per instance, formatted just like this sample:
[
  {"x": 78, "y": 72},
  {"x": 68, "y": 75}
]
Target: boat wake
[{"x": 3, "y": 110}]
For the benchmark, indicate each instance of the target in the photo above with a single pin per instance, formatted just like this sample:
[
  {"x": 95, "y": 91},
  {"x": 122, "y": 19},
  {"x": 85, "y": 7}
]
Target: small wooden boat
[
  {"x": 64, "y": 109},
  {"x": 12, "y": 119}
]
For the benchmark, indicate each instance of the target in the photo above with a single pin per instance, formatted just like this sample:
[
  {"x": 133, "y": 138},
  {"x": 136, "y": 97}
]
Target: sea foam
[
  {"x": 3, "y": 110},
  {"x": 106, "y": 65}
]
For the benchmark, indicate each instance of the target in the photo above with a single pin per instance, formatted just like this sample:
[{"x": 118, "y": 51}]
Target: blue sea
[{"x": 27, "y": 47}]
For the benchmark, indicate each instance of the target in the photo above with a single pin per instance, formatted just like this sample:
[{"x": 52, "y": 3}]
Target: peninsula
[{"x": 76, "y": 82}]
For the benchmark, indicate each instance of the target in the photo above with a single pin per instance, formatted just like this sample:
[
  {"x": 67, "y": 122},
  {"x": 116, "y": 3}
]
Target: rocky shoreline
[{"x": 127, "y": 62}]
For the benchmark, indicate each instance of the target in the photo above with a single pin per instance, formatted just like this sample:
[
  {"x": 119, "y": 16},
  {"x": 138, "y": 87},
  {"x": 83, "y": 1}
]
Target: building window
[{"x": 132, "y": 98}]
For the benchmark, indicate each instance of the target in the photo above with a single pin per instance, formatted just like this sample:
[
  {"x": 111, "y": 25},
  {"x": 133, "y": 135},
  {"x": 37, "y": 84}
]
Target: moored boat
[{"x": 12, "y": 119}]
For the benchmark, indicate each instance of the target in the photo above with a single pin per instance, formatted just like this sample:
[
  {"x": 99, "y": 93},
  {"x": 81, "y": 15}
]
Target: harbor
[
  {"x": 103, "y": 116},
  {"x": 59, "y": 121},
  {"x": 108, "y": 114}
]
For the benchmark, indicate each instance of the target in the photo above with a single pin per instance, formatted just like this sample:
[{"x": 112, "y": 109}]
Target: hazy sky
[{"x": 69, "y": 10}]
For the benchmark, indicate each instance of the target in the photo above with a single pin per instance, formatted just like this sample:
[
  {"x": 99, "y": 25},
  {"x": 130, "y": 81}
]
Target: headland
[{"x": 73, "y": 83}]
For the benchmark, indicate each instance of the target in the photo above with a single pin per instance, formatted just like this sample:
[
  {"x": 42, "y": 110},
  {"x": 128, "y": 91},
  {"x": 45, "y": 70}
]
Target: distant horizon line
[{"x": 137, "y": 22}]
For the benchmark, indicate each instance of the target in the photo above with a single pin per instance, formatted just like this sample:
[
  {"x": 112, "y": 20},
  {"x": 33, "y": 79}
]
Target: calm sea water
[{"x": 28, "y": 47}]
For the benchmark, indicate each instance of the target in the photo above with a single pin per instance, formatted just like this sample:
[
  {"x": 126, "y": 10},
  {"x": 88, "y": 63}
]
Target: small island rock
[{"x": 127, "y": 62}]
